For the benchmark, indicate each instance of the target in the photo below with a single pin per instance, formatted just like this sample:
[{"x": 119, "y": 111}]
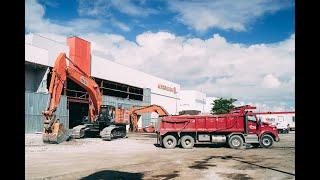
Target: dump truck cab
[{"x": 255, "y": 126}]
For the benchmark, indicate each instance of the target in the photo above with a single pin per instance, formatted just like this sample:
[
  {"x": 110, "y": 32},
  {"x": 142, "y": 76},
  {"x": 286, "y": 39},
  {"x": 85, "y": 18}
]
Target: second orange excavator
[{"x": 136, "y": 112}]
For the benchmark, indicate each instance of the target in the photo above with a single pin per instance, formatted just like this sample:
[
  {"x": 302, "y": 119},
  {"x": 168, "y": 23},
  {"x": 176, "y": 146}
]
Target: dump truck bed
[{"x": 201, "y": 123}]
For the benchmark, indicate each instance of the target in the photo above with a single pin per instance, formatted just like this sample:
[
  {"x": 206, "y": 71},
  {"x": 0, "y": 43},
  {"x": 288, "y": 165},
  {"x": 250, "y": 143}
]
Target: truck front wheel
[
  {"x": 235, "y": 142},
  {"x": 187, "y": 142},
  {"x": 266, "y": 141},
  {"x": 169, "y": 142}
]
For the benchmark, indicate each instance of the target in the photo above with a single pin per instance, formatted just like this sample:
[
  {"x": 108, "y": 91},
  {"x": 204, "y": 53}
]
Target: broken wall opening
[
  {"x": 35, "y": 77},
  {"x": 115, "y": 89},
  {"x": 77, "y": 111}
]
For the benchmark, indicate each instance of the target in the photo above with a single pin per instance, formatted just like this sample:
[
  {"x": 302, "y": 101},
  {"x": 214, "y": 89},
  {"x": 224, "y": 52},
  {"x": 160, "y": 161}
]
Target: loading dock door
[{"x": 77, "y": 111}]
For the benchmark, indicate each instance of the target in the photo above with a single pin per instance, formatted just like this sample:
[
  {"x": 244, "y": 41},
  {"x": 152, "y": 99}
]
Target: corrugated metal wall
[
  {"x": 125, "y": 103},
  {"x": 35, "y": 103},
  {"x": 146, "y": 118}
]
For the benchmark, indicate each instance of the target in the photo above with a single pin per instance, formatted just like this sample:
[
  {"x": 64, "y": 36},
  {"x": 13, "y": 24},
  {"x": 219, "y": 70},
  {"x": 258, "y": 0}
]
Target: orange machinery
[
  {"x": 136, "y": 112},
  {"x": 102, "y": 119}
]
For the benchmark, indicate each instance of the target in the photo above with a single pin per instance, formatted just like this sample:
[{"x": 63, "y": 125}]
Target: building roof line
[
  {"x": 50, "y": 39},
  {"x": 136, "y": 69},
  {"x": 93, "y": 54}
]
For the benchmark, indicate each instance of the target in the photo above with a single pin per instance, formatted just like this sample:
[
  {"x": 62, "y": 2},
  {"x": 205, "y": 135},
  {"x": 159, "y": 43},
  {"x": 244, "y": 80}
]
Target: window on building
[
  {"x": 293, "y": 119},
  {"x": 110, "y": 88},
  {"x": 107, "y": 88}
]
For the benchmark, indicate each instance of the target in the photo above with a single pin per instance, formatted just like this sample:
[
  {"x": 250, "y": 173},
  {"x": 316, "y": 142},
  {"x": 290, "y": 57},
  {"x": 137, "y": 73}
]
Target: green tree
[{"x": 222, "y": 106}]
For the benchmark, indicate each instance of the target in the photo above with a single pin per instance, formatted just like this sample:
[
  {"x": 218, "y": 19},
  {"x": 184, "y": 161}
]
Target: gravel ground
[{"x": 138, "y": 157}]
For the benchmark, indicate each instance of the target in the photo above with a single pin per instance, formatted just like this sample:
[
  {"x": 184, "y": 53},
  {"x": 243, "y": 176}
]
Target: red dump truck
[{"x": 237, "y": 128}]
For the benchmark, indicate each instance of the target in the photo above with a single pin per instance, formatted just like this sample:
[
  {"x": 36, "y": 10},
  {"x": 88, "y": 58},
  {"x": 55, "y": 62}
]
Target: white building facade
[
  {"x": 195, "y": 100},
  {"x": 43, "y": 51}
]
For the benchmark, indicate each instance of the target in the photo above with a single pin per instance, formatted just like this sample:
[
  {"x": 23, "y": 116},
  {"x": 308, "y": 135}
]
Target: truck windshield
[{"x": 252, "y": 118}]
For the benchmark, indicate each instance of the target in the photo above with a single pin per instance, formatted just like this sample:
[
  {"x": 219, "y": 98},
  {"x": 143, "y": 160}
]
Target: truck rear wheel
[
  {"x": 187, "y": 142},
  {"x": 266, "y": 141},
  {"x": 235, "y": 142},
  {"x": 169, "y": 142}
]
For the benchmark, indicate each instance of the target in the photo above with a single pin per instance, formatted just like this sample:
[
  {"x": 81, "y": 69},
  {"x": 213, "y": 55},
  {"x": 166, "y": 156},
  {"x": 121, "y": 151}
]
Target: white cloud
[
  {"x": 269, "y": 81},
  {"x": 93, "y": 8},
  {"x": 35, "y": 22},
  {"x": 120, "y": 25},
  {"x": 102, "y": 7},
  {"x": 223, "y": 14},
  {"x": 253, "y": 73},
  {"x": 127, "y": 7}
]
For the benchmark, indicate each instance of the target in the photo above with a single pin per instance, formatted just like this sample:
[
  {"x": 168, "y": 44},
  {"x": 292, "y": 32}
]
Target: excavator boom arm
[
  {"x": 146, "y": 109},
  {"x": 58, "y": 78},
  {"x": 152, "y": 108},
  {"x": 60, "y": 72}
]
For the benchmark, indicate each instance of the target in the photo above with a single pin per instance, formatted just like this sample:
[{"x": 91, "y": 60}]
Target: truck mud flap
[{"x": 159, "y": 139}]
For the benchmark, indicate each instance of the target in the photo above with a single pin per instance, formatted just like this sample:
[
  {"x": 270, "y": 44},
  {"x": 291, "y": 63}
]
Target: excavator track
[
  {"x": 113, "y": 131},
  {"x": 79, "y": 131}
]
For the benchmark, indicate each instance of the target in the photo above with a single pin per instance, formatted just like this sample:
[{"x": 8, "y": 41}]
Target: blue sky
[
  {"x": 226, "y": 48},
  {"x": 270, "y": 26}
]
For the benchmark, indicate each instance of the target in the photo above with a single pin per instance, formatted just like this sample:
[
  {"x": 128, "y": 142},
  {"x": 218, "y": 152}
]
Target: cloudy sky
[{"x": 226, "y": 48}]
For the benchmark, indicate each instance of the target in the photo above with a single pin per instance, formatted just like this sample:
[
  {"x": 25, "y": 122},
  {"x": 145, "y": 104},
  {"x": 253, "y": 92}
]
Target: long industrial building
[
  {"x": 119, "y": 84},
  {"x": 195, "y": 100}
]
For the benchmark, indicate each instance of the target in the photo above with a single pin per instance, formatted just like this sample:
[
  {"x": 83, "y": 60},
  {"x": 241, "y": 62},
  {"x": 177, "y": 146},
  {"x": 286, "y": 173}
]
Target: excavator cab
[{"x": 106, "y": 116}]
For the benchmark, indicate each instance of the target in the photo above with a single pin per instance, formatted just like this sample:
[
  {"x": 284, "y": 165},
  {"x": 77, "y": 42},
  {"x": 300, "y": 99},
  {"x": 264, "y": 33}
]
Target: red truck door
[{"x": 252, "y": 124}]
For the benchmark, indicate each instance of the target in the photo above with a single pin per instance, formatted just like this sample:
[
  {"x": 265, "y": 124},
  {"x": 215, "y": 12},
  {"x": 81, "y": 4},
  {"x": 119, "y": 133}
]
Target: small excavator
[
  {"x": 136, "y": 112},
  {"x": 101, "y": 118}
]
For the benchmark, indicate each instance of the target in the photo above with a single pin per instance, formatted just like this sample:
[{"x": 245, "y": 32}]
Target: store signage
[{"x": 167, "y": 88}]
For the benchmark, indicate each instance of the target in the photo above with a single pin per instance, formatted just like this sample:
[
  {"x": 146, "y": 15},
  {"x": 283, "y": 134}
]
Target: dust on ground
[{"x": 139, "y": 157}]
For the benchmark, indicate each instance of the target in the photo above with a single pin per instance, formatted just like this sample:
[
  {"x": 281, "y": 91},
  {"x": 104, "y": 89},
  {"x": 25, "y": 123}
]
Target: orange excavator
[
  {"x": 136, "y": 112},
  {"x": 102, "y": 118}
]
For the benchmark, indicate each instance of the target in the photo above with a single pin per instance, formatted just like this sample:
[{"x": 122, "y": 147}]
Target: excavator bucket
[{"x": 57, "y": 135}]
